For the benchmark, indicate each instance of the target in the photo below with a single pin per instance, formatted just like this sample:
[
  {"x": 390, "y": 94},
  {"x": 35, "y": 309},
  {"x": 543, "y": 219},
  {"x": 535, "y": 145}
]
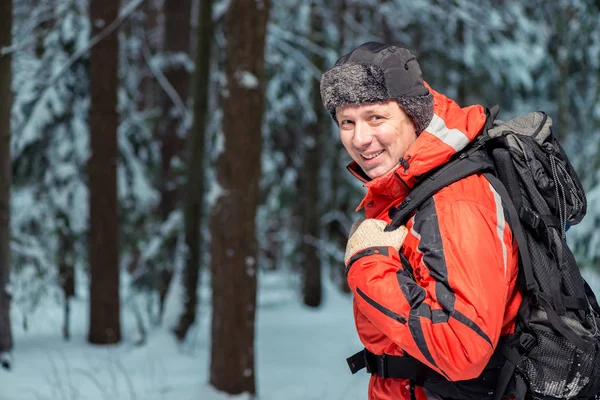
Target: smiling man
[{"x": 432, "y": 298}]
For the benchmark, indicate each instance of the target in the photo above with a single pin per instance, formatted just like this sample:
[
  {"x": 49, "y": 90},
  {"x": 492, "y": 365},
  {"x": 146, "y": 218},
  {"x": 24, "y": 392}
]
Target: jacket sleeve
[{"x": 449, "y": 314}]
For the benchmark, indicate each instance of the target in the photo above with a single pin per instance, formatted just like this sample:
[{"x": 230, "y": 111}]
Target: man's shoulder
[{"x": 475, "y": 188}]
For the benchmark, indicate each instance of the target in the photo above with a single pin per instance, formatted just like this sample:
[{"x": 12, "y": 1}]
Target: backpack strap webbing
[
  {"x": 491, "y": 114},
  {"x": 467, "y": 163}
]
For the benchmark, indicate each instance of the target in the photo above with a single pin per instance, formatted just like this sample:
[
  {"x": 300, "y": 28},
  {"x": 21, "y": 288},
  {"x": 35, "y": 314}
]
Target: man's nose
[{"x": 362, "y": 136}]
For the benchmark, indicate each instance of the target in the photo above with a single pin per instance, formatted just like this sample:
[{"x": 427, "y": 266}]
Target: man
[{"x": 433, "y": 298}]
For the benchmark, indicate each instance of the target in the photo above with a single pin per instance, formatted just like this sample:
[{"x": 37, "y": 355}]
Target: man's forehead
[{"x": 363, "y": 107}]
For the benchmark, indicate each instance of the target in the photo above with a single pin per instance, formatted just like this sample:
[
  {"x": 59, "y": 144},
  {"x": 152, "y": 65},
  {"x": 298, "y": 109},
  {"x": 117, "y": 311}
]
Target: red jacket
[{"x": 463, "y": 296}]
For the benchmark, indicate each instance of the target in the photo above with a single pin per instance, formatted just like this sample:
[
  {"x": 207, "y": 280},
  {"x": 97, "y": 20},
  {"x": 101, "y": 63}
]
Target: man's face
[{"x": 376, "y": 135}]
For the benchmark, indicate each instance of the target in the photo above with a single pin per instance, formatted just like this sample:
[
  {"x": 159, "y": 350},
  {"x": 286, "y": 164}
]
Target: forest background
[{"x": 168, "y": 162}]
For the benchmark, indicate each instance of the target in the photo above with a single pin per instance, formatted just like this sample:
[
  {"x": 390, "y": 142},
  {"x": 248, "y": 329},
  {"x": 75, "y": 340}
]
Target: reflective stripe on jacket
[{"x": 463, "y": 296}]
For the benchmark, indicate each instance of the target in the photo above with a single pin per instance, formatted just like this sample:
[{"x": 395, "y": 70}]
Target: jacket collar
[{"x": 449, "y": 131}]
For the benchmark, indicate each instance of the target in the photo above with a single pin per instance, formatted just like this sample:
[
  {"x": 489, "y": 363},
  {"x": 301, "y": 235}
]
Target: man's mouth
[{"x": 370, "y": 156}]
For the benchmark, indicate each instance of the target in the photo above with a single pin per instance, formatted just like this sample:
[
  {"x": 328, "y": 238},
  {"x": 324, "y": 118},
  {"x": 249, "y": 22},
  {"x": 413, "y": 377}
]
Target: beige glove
[{"x": 370, "y": 233}]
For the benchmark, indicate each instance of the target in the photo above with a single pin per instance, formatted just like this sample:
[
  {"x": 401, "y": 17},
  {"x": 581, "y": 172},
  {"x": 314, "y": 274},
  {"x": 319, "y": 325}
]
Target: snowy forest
[{"x": 174, "y": 199}]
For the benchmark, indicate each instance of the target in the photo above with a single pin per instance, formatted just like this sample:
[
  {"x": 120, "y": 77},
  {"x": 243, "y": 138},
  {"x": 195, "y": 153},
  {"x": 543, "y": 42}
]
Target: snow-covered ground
[{"x": 300, "y": 355}]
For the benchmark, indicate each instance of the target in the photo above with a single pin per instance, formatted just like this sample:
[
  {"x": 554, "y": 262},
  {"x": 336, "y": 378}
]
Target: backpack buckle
[
  {"x": 483, "y": 139},
  {"x": 382, "y": 366},
  {"x": 376, "y": 364},
  {"x": 530, "y": 217},
  {"x": 527, "y": 342}
]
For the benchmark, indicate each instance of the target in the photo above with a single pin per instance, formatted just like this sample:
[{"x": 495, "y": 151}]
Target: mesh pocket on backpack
[{"x": 557, "y": 368}]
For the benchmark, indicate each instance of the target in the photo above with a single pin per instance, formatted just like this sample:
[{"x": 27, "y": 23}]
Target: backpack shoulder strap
[
  {"x": 491, "y": 113},
  {"x": 469, "y": 162}
]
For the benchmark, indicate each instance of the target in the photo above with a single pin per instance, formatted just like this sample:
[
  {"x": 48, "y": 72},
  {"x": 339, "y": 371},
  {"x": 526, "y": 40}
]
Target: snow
[
  {"x": 300, "y": 354},
  {"x": 247, "y": 79}
]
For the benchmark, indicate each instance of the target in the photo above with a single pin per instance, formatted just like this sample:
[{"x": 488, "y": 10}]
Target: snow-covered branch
[
  {"x": 164, "y": 82},
  {"x": 299, "y": 40},
  {"x": 123, "y": 15}
]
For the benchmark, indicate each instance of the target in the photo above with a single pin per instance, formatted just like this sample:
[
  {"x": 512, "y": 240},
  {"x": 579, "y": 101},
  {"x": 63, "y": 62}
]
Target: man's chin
[{"x": 378, "y": 171}]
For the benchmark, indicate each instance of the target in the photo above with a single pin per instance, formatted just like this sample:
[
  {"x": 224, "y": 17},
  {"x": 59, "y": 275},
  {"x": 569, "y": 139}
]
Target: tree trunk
[
  {"x": 337, "y": 233},
  {"x": 462, "y": 87},
  {"x": 560, "y": 16},
  {"x": 66, "y": 267},
  {"x": 234, "y": 244},
  {"x": 313, "y": 152},
  {"x": 194, "y": 189},
  {"x": 170, "y": 126},
  {"x": 563, "y": 60},
  {"x": 102, "y": 169},
  {"x": 6, "y": 342}
]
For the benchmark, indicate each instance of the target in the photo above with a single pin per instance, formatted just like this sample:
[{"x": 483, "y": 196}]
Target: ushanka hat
[{"x": 376, "y": 72}]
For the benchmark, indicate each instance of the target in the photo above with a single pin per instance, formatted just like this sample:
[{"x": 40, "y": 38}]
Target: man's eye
[
  {"x": 346, "y": 122},
  {"x": 376, "y": 117}
]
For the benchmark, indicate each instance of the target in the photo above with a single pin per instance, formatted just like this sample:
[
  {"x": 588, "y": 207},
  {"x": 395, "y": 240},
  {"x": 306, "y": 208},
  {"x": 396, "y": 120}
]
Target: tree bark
[
  {"x": 102, "y": 170},
  {"x": 339, "y": 202},
  {"x": 563, "y": 59},
  {"x": 194, "y": 188},
  {"x": 177, "y": 41},
  {"x": 234, "y": 244},
  {"x": 560, "y": 16},
  {"x": 462, "y": 86},
  {"x": 65, "y": 259},
  {"x": 313, "y": 152},
  {"x": 6, "y": 341}
]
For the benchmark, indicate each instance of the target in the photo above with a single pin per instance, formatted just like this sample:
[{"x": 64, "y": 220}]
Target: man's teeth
[{"x": 369, "y": 156}]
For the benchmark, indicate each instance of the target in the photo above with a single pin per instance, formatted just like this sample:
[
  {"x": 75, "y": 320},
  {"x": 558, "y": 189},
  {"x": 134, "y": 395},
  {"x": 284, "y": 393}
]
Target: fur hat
[{"x": 375, "y": 72}]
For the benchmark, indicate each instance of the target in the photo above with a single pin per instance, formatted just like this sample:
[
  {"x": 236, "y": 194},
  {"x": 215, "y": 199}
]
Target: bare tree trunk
[
  {"x": 194, "y": 189},
  {"x": 561, "y": 17},
  {"x": 339, "y": 202},
  {"x": 6, "y": 341},
  {"x": 313, "y": 152},
  {"x": 563, "y": 60},
  {"x": 105, "y": 325},
  {"x": 66, "y": 267},
  {"x": 461, "y": 90},
  {"x": 234, "y": 245},
  {"x": 170, "y": 126}
]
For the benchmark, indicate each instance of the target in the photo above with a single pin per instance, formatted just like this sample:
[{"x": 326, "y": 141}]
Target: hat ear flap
[{"x": 419, "y": 109}]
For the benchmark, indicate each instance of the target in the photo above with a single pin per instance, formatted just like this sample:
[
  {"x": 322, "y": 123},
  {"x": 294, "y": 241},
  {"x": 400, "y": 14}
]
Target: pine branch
[
  {"x": 20, "y": 38},
  {"x": 300, "y": 40},
  {"x": 123, "y": 15},
  {"x": 164, "y": 83}
]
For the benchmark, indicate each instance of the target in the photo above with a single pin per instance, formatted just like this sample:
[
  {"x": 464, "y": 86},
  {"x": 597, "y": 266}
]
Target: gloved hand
[{"x": 370, "y": 233}]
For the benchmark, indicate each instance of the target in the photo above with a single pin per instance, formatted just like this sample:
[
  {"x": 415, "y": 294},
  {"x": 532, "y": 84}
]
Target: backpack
[{"x": 555, "y": 350}]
